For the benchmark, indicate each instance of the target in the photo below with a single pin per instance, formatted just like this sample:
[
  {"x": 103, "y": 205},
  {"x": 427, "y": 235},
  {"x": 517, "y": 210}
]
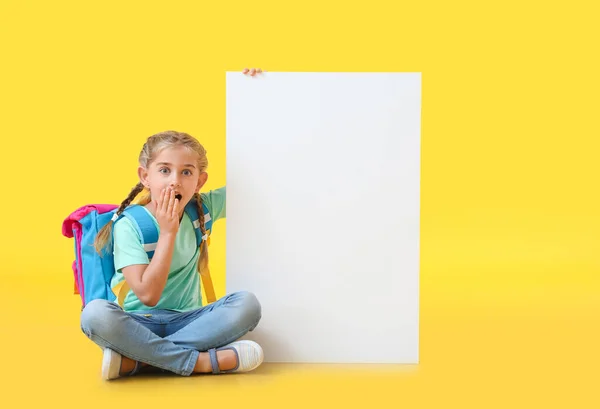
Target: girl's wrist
[{"x": 167, "y": 235}]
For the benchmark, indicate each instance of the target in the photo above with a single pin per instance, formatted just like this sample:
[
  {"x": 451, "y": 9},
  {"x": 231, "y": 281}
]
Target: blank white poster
[{"x": 323, "y": 206}]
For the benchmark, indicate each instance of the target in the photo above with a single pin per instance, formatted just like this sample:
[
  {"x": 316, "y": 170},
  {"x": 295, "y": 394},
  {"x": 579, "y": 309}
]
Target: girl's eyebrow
[{"x": 188, "y": 165}]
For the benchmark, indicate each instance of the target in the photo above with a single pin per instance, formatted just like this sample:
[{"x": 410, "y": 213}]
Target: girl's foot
[
  {"x": 115, "y": 365},
  {"x": 239, "y": 356},
  {"x": 226, "y": 360},
  {"x": 128, "y": 365}
]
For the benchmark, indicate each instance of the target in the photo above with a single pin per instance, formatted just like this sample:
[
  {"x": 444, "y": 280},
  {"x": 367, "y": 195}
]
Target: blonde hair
[{"x": 153, "y": 146}]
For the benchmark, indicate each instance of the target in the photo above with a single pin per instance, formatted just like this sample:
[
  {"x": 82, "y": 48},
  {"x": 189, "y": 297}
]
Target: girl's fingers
[
  {"x": 170, "y": 203},
  {"x": 175, "y": 212},
  {"x": 252, "y": 71},
  {"x": 165, "y": 200},
  {"x": 159, "y": 202}
]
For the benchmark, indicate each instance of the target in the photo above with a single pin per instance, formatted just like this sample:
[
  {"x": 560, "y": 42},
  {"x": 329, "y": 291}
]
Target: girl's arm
[
  {"x": 148, "y": 281},
  {"x": 216, "y": 200}
]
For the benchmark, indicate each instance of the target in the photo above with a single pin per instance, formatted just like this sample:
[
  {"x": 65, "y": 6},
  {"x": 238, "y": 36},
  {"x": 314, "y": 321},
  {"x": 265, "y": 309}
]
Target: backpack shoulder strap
[
  {"x": 143, "y": 223},
  {"x": 192, "y": 211},
  {"x": 145, "y": 227}
]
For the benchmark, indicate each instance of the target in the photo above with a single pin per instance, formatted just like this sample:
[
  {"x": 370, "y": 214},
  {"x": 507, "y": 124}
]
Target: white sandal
[{"x": 249, "y": 356}]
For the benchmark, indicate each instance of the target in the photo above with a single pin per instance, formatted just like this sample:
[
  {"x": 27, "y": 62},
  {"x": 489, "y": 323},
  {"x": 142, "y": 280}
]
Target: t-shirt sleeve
[
  {"x": 215, "y": 200},
  {"x": 128, "y": 248}
]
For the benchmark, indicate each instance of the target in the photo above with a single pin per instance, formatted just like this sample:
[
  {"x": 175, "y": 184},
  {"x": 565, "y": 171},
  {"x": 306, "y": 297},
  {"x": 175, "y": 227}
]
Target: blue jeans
[{"x": 168, "y": 339}]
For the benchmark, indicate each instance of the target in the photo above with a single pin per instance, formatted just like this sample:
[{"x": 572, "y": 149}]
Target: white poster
[{"x": 323, "y": 207}]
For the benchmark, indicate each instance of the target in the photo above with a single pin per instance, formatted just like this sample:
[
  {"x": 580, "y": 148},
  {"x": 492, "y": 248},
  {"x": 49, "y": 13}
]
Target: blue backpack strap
[
  {"x": 147, "y": 230},
  {"x": 192, "y": 211},
  {"x": 145, "y": 226}
]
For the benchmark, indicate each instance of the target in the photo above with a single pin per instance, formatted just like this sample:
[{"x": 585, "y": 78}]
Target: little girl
[{"x": 162, "y": 323}]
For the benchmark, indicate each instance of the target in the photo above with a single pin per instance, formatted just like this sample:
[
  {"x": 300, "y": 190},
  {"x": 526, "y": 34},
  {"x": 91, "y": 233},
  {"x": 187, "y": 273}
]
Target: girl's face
[{"x": 174, "y": 168}]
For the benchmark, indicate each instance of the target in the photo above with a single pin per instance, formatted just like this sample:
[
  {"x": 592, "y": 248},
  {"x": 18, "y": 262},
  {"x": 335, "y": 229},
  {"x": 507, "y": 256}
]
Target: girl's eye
[
  {"x": 187, "y": 172},
  {"x": 163, "y": 170}
]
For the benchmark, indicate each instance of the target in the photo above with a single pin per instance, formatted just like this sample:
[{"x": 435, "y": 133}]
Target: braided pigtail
[
  {"x": 143, "y": 199},
  {"x": 105, "y": 234}
]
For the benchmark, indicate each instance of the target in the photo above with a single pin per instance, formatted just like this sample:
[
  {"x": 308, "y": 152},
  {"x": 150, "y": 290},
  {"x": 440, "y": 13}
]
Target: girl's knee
[
  {"x": 95, "y": 317},
  {"x": 251, "y": 305}
]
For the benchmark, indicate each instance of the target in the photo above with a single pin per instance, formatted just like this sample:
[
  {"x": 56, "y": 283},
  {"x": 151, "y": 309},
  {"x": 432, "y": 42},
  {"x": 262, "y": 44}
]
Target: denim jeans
[{"x": 168, "y": 339}]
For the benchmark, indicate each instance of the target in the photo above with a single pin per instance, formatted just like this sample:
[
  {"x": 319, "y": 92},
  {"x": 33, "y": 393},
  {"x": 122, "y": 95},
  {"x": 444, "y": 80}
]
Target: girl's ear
[
  {"x": 201, "y": 181},
  {"x": 143, "y": 175}
]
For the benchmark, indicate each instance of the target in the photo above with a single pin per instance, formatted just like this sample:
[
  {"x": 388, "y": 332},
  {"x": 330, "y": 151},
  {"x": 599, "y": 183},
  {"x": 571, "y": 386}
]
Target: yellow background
[{"x": 510, "y": 296}]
